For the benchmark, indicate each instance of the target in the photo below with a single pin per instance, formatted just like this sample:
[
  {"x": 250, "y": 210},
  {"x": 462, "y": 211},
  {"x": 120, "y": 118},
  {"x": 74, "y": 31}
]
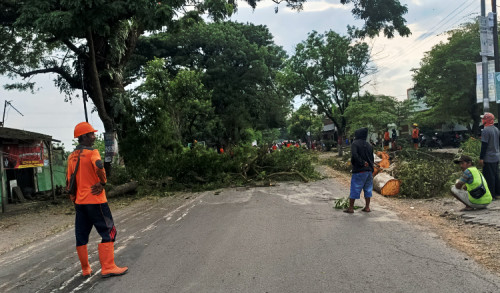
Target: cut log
[
  {"x": 385, "y": 184},
  {"x": 385, "y": 160},
  {"x": 123, "y": 189}
]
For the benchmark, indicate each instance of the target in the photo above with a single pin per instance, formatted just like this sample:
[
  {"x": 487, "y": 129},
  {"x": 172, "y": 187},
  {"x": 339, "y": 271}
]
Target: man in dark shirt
[
  {"x": 362, "y": 169},
  {"x": 490, "y": 153}
]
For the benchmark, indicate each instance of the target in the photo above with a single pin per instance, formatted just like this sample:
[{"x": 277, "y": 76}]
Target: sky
[{"x": 46, "y": 112}]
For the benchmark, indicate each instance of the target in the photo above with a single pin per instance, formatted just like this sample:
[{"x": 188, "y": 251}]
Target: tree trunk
[{"x": 340, "y": 144}]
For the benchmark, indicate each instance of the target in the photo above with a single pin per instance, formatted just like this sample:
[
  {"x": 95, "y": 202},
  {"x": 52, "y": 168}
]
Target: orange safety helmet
[{"x": 83, "y": 128}]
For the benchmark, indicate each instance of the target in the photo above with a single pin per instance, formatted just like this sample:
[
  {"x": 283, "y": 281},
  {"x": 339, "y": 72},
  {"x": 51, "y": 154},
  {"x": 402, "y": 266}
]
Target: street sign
[
  {"x": 486, "y": 37},
  {"x": 491, "y": 81}
]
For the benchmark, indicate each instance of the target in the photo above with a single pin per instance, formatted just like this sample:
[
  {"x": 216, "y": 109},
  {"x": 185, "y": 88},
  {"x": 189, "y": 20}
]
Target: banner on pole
[{"x": 491, "y": 82}]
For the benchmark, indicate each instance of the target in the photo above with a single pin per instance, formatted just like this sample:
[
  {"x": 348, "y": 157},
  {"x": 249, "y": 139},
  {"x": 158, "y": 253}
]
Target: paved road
[{"x": 286, "y": 238}]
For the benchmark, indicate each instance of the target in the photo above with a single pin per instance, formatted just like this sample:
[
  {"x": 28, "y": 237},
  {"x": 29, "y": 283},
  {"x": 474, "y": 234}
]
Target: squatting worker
[
  {"x": 362, "y": 170},
  {"x": 490, "y": 153},
  {"x": 91, "y": 204},
  {"x": 472, "y": 179}
]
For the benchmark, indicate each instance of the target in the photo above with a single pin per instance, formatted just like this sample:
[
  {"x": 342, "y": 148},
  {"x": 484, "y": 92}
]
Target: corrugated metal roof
[{"x": 11, "y": 133}]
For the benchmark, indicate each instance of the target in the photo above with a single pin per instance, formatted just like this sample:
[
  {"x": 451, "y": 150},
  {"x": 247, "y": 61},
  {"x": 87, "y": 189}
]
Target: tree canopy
[
  {"x": 445, "y": 66},
  {"x": 327, "y": 69},
  {"x": 88, "y": 44},
  {"x": 240, "y": 64},
  {"x": 303, "y": 121}
]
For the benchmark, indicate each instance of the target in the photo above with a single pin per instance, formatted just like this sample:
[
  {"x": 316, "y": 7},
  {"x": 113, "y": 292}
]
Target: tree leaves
[{"x": 446, "y": 78}]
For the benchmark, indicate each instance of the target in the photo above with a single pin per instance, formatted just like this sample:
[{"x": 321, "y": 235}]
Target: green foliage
[
  {"x": 374, "y": 112},
  {"x": 202, "y": 167},
  {"x": 379, "y": 15},
  {"x": 425, "y": 178},
  {"x": 471, "y": 148},
  {"x": 288, "y": 160},
  {"x": 327, "y": 70},
  {"x": 120, "y": 175},
  {"x": 343, "y": 203},
  {"x": 447, "y": 65},
  {"x": 305, "y": 120},
  {"x": 343, "y": 165},
  {"x": 239, "y": 62},
  {"x": 183, "y": 98}
]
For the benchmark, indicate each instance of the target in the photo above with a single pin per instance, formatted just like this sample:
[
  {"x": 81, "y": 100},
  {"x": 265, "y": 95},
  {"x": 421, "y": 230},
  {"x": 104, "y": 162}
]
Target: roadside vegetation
[{"x": 423, "y": 174}]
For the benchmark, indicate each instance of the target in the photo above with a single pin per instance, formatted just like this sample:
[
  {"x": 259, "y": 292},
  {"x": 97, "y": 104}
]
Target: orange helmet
[{"x": 83, "y": 128}]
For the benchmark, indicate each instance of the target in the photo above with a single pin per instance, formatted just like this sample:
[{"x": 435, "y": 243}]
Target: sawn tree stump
[{"x": 385, "y": 184}]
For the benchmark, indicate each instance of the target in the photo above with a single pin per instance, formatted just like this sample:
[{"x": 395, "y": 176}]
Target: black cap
[{"x": 463, "y": 158}]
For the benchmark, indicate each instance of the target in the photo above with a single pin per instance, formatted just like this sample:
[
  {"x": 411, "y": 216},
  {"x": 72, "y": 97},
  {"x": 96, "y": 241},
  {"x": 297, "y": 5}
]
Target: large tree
[
  {"x": 303, "y": 121},
  {"x": 374, "y": 112},
  {"x": 327, "y": 70},
  {"x": 446, "y": 79},
  {"x": 93, "y": 40},
  {"x": 239, "y": 62}
]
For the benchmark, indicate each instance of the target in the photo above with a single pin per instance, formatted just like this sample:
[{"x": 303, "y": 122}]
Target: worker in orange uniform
[
  {"x": 414, "y": 135},
  {"x": 90, "y": 201},
  {"x": 387, "y": 140}
]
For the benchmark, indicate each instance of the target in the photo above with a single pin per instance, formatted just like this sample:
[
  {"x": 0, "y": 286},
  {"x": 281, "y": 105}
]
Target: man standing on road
[
  {"x": 90, "y": 203},
  {"x": 474, "y": 197},
  {"x": 490, "y": 153},
  {"x": 362, "y": 169}
]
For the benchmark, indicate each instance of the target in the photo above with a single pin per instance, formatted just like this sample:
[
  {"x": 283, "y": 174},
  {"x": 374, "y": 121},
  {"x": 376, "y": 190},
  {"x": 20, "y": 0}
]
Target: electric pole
[
  {"x": 484, "y": 28},
  {"x": 495, "y": 47}
]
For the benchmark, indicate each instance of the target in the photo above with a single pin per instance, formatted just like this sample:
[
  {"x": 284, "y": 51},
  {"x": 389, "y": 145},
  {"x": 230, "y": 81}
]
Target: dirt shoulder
[
  {"x": 28, "y": 222},
  {"x": 437, "y": 215}
]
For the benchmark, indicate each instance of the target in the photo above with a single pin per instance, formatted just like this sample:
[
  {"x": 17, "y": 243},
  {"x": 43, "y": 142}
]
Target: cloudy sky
[{"x": 46, "y": 112}]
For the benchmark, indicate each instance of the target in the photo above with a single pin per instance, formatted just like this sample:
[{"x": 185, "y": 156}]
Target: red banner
[{"x": 23, "y": 155}]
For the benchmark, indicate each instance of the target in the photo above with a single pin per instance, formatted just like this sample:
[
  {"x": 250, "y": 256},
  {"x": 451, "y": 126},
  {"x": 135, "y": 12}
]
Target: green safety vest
[{"x": 486, "y": 198}]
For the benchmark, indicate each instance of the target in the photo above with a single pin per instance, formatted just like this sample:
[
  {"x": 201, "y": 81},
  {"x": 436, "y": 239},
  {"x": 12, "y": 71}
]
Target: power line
[{"x": 419, "y": 45}]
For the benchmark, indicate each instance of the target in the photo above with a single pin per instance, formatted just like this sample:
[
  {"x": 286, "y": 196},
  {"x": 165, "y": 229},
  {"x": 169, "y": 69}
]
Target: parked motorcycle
[{"x": 434, "y": 142}]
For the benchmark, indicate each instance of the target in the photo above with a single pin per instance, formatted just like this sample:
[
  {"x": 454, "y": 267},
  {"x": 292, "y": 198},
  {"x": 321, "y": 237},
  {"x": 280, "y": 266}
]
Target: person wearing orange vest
[
  {"x": 414, "y": 135},
  {"x": 387, "y": 140},
  {"x": 90, "y": 201}
]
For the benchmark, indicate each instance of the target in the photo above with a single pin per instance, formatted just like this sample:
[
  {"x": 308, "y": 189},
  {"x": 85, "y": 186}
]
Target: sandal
[
  {"x": 348, "y": 211},
  {"x": 366, "y": 210}
]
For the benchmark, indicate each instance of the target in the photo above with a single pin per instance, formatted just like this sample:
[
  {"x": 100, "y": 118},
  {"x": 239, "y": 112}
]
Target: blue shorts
[{"x": 361, "y": 181}]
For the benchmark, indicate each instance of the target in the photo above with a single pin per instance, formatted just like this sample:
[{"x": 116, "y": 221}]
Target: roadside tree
[
  {"x": 327, "y": 70},
  {"x": 303, "y": 121},
  {"x": 446, "y": 79}
]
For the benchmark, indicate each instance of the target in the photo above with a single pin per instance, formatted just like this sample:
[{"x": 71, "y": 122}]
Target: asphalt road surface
[{"x": 286, "y": 238}]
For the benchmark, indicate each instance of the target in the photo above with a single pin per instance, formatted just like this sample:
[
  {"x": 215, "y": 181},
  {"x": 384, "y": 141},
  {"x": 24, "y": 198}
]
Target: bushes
[
  {"x": 472, "y": 148},
  {"x": 202, "y": 167},
  {"x": 422, "y": 174},
  {"x": 425, "y": 178}
]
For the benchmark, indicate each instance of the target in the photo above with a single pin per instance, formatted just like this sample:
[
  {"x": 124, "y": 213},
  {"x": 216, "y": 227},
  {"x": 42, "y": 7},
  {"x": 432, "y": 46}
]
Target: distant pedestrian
[
  {"x": 394, "y": 135},
  {"x": 490, "y": 153},
  {"x": 477, "y": 194},
  {"x": 362, "y": 169},
  {"x": 86, "y": 173},
  {"x": 387, "y": 140},
  {"x": 415, "y": 134}
]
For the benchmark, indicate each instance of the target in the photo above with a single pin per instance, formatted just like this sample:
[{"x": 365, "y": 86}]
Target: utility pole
[
  {"x": 486, "y": 98},
  {"x": 84, "y": 95},
  {"x": 495, "y": 46}
]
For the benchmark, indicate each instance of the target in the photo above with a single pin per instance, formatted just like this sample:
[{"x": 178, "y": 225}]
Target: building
[{"x": 29, "y": 164}]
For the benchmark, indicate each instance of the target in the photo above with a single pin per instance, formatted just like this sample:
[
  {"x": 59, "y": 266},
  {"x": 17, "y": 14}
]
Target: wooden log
[
  {"x": 123, "y": 189},
  {"x": 385, "y": 160},
  {"x": 385, "y": 184}
]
